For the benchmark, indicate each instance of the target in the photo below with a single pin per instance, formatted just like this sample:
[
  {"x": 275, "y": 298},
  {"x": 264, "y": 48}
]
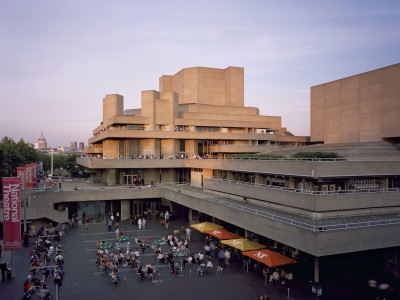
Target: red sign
[
  {"x": 20, "y": 174},
  {"x": 29, "y": 176},
  {"x": 34, "y": 175},
  {"x": 12, "y": 213}
]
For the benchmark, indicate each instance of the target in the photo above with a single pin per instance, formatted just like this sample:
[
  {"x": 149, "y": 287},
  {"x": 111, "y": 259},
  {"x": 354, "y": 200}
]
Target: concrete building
[
  {"x": 178, "y": 145},
  {"x": 74, "y": 145},
  {"x": 360, "y": 108},
  {"x": 81, "y": 146}
]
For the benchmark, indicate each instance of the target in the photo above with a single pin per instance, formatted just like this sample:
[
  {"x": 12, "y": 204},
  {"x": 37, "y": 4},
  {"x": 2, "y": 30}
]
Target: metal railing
[
  {"x": 309, "y": 192},
  {"x": 307, "y": 226},
  {"x": 381, "y": 159}
]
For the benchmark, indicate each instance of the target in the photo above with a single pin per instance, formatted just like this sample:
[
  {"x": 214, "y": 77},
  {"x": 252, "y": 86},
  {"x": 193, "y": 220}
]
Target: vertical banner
[
  {"x": 39, "y": 171},
  {"x": 20, "y": 174},
  {"x": 12, "y": 213},
  {"x": 34, "y": 175},
  {"x": 29, "y": 177}
]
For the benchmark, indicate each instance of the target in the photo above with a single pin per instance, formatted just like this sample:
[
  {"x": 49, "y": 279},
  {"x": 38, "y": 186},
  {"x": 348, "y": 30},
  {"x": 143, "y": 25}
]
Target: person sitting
[
  {"x": 114, "y": 276},
  {"x": 200, "y": 257},
  {"x": 139, "y": 271},
  {"x": 149, "y": 240},
  {"x": 44, "y": 292},
  {"x": 188, "y": 260},
  {"x": 161, "y": 258},
  {"x": 275, "y": 276},
  {"x": 209, "y": 265},
  {"x": 57, "y": 278},
  {"x": 150, "y": 273}
]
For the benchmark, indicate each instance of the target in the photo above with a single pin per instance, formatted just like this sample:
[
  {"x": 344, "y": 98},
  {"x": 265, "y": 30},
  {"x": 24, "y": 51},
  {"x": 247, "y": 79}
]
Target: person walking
[
  {"x": 188, "y": 233},
  {"x": 110, "y": 224},
  {"x": 144, "y": 224},
  {"x": 140, "y": 223},
  {"x": 86, "y": 222}
]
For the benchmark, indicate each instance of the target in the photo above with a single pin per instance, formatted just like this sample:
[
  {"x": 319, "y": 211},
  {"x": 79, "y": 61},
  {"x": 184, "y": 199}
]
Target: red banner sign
[
  {"x": 12, "y": 213},
  {"x": 29, "y": 176},
  {"x": 20, "y": 174}
]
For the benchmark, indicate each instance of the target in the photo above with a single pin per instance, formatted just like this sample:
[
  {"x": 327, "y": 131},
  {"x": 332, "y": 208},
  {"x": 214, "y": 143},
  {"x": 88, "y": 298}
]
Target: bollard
[
  {"x": 288, "y": 293},
  {"x": 190, "y": 273},
  {"x": 124, "y": 281},
  {"x": 159, "y": 280}
]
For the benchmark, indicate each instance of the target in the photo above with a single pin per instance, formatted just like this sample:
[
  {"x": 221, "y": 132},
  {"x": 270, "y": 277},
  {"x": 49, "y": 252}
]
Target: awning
[
  {"x": 243, "y": 244},
  {"x": 270, "y": 258},
  {"x": 206, "y": 226},
  {"x": 222, "y": 234}
]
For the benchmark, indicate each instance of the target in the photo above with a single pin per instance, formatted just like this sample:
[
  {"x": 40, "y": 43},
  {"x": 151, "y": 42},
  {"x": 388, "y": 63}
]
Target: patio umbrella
[
  {"x": 206, "y": 226},
  {"x": 270, "y": 258},
  {"x": 159, "y": 242},
  {"x": 106, "y": 246},
  {"x": 222, "y": 234},
  {"x": 243, "y": 244},
  {"x": 123, "y": 239}
]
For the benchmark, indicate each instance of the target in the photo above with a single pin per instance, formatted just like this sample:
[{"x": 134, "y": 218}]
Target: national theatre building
[{"x": 183, "y": 145}]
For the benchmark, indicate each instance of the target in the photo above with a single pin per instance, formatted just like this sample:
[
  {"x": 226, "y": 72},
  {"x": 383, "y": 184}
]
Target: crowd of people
[{"x": 41, "y": 263}]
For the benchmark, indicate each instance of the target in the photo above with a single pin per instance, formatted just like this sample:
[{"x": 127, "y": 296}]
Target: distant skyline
[{"x": 59, "y": 59}]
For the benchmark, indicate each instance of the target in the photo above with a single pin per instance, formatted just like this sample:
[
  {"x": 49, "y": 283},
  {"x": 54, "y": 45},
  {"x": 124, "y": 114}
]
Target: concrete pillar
[
  {"x": 190, "y": 147},
  {"x": 125, "y": 209},
  {"x": 316, "y": 269},
  {"x": 111, "y": 176},
  {"x": 291, "y": 182},
  {"x": 190, "y": 217},
  {"x": 260, "y": 179}
]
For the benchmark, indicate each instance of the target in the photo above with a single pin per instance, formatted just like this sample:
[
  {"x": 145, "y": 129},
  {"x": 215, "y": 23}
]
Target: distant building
[
  {"x": 41, "y": 142},
  {"x": 74, "y": 145},
  {"x": 81, "y": 146}
]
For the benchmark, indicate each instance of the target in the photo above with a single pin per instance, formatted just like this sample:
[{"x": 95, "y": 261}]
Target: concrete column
[
  {"x": 316, "y": 269},
  {"x": 125, "y": 209},
  {"x": 260, "y": 179},
  {"x": 291, "y": 182},
  {"x": 111, "y": 177},
  {"x": 190, "y": 216}
]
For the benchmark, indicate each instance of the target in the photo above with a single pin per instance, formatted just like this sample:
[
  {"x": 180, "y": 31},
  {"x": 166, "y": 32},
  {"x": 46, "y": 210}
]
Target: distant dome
[{"x": 41, "y": 142}]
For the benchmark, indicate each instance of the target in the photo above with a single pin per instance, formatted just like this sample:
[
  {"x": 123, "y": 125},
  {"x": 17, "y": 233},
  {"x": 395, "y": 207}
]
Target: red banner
[
  {"x": 34, "y": 175},
  {"x": 29, "y": 176},
  {"x": 20, "y": 174},
  {"x": 12, "y": 213}
]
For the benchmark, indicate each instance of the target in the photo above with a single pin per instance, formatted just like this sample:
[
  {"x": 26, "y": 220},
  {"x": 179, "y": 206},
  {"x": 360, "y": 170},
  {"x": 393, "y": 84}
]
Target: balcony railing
[
  {"x": 310, "y": 192},
  {"x": 318, "y": 226}
]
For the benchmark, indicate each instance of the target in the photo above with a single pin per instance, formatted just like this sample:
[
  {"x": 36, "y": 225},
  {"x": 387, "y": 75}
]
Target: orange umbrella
[
  {"x": 270, "y": 258},
  {"x": 222, "y": 234}
]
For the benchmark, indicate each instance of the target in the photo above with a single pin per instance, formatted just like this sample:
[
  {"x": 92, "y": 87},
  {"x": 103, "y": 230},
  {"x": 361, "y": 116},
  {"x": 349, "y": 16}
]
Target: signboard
[
  {"x": 20, "y": 174},
  {"x": 29, "y": 176},
  {"x": 12, "y": 213},
  {"x": 39, "y": 171},
  {"x": 34, "y": 175}
]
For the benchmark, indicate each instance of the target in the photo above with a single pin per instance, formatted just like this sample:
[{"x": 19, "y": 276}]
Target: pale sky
[{"x": 58, "y": 59}]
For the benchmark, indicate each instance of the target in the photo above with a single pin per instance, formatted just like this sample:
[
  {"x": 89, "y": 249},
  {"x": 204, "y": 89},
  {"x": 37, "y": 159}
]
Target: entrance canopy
[
  {"x": 270, "y": 258},
  {"x": 206, "y": 226},
  {"x": 243, "y": 244},
  {"x": 222, "y": 234}
]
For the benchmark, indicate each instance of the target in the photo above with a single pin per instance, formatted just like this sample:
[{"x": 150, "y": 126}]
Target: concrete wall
[
  {"x": 207, "y": 85},
  {"x": 113, "y": 105},
  {"x": 360, "y": 108}
]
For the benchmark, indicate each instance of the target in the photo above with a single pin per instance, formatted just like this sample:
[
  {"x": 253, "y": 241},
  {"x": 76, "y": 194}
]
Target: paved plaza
[{"x": 84, "y": 280}]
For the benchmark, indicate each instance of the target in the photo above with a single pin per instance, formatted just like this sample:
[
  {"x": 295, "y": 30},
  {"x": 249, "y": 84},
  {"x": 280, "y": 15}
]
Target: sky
[{"x": 58, "y": 59}]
